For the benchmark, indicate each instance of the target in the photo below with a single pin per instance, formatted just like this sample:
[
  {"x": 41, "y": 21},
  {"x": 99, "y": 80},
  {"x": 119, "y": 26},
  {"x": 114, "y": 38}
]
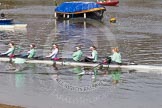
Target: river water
[{"x": 137, "y": 33}]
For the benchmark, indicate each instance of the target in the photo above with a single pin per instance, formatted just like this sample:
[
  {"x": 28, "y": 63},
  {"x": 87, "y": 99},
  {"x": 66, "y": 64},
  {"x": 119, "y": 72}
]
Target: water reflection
[
  {"x": 19, "y": 80},
  {"x": 78, "y": 70},
  {"x": 66, "y": 86},
  {"x": 116, "y": 76},
  {"x": 70, "y": 86},
  {"x": 91, "y": 76}
]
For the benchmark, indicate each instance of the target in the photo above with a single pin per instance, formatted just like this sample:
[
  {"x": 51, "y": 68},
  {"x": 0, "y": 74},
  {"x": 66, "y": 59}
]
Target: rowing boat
[{"x": 140, "y": 68}]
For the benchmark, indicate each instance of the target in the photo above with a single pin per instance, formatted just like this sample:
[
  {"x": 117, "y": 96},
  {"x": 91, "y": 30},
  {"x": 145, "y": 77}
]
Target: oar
[{"x": 99, "y": 64}]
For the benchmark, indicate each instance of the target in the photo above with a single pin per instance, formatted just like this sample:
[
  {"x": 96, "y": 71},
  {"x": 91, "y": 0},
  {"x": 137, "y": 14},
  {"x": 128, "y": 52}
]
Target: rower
[
  {"x": 77, "y": 55},
  {"x": 54, "y": 53},
  {"x": 115, "y": 58},
  {"x": 93, "y": 57},
  {"x": 31, "y": 53},
  {"x": 10, "y": 51}
]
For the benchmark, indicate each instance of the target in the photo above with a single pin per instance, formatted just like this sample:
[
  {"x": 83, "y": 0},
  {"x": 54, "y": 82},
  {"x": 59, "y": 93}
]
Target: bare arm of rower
[
  {"x": 9, "y": 51},
  {"x": 49, "y": 55}
]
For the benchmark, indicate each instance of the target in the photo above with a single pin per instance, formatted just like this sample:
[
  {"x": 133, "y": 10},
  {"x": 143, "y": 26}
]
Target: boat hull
[
  {"x": 6, "y": 21},
  {"x": 13, "y": 26},
  {"x": 75, "y": 9},
  {"x": 137, "y": 68},
  {"x": 97, "y": 15},
  {"x": 108, "y": 3}
]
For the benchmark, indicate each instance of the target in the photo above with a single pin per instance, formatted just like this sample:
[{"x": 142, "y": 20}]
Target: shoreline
[{"x": 9, "y": 106}]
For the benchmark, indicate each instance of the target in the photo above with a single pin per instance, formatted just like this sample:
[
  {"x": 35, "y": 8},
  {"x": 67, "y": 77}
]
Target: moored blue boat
[
  {"x": 9, "y": 24},
  {"x": 76, "y": 9},
  {"x": 6, "y": 21}
]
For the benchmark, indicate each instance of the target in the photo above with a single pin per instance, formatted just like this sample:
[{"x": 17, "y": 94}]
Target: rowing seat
[{"x": 57, "y": 59}]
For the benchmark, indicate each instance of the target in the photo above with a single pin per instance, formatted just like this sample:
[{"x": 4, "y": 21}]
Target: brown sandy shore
[{"x": 9, "y": 106}]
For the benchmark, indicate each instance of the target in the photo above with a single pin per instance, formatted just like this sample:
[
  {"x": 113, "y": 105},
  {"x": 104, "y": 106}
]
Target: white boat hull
[
  {"x": 13, "y": 27},
  {"x": 140, "y": 68}
]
